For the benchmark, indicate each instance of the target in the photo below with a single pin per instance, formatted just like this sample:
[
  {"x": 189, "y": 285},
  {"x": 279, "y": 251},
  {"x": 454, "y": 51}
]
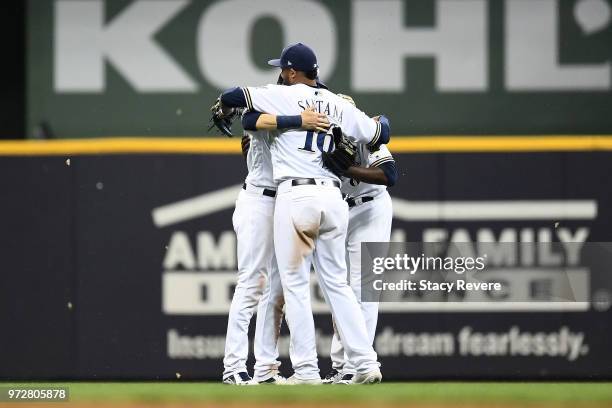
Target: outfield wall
[
  {"x": 103, "y": 68},
  {"x": 121, "y": 265}
]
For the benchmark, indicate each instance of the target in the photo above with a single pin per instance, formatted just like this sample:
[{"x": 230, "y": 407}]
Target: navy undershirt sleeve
[
  {"x": 385, "y": 130},
  {"x": 233, "y": 98},
  {"x": 390, "y": 172},
  {"x": 249, "y": 120}
]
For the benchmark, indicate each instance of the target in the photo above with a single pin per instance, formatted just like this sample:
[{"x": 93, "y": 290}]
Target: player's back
[{"x": 297, "y": 153}]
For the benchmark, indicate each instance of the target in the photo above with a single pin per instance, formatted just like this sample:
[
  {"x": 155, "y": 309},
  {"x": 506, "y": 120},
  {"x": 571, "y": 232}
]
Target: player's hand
[
  {"x": 382, "y": 119},
  {"x": 246, "y": 145},
  {"x": 313, "y": 120}
]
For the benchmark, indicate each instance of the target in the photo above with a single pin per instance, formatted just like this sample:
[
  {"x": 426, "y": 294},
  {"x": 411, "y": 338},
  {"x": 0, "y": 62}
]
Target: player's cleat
[
  {"x": 332, "y": 377},
  {"x": 275, "y": 380},
  {"x": 293, "y": 380},
  {"x": 371, "y": 377},
  {"x": 239, "y": 379},
  {"x": 347, "y": 379}
]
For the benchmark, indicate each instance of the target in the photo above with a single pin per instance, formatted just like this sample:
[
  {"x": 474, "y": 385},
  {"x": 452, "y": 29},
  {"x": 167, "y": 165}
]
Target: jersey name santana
[{"x": 297, "y": 153}]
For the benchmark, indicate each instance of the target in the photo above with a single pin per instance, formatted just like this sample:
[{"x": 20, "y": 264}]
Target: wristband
[{"x": 286, "y": 122}]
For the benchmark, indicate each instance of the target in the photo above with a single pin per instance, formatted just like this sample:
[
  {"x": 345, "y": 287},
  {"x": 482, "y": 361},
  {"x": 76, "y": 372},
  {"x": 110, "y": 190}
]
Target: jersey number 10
[{"x": 322, "y": 137}]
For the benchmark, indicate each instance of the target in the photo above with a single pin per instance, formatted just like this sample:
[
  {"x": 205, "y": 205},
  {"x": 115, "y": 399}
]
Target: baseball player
[
  {"x": 370, "y": 214},
  {"x": 310, "y": 216},
  {"x": 364, "y": 183},
  {"x": 253, "y": 222}
]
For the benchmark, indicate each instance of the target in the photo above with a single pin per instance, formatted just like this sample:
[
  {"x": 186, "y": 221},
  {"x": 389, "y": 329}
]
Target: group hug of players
[{"x": 318, "y": 171}]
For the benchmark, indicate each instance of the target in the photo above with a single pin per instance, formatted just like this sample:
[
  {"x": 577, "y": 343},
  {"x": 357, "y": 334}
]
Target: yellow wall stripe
[
  {"x": 455, "y": 144},
  {"x": 399, "y": 144},
  {"x": 120, "y": 146}
]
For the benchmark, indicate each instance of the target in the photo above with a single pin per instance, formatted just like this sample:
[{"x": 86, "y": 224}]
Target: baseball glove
[
  {"x": 343, "y": 156},
  {"x": 222, "y": 118}
]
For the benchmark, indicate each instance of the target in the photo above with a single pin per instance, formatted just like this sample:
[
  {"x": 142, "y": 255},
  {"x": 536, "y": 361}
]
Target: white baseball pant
[
  {"x": 253, "y": 223},
  {"x": 310, "y": 223},
  {"x": 368, "y": 222}
]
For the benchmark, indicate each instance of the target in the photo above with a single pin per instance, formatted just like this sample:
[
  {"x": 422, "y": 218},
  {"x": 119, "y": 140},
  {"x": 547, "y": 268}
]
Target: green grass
[{"x": 485, "y": 393}]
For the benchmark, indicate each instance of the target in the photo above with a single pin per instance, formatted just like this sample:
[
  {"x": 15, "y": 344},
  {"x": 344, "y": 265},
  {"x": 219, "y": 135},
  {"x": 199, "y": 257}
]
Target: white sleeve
[
  {"x": 359, "y": 127},
  {"x": 266, "y": 99},
  {"x": 382, "y": 155}
]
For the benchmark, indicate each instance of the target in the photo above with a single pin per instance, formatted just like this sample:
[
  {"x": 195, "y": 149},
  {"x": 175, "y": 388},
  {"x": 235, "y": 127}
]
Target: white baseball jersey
[
  {"x": 365, "y": 158},
  {"x": 259, "y": 160},
  {"x": 297, "y": 153}
]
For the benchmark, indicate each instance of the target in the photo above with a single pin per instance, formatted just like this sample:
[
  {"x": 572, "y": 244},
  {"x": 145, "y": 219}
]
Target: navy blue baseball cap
[{"x": 297, "y": 56}]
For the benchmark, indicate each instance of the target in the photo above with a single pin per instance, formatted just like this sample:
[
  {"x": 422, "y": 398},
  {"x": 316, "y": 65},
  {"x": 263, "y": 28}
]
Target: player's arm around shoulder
[
  {"x": 381, "y": 170},
  {"x": 381, "y": 158},
  {"x": 309, "y": 119},
  {"x": 244, "y": 97}
]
